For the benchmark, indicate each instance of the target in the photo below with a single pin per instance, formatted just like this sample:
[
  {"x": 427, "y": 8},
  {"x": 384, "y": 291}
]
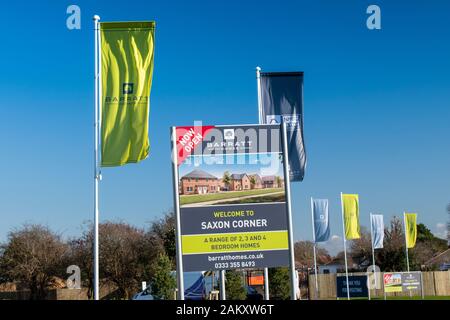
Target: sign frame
[{"x": 176, "y": 199}]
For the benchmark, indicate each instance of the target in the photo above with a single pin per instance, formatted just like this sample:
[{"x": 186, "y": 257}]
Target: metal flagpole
[
  {"x": 373, "y": 253},
  {"x": 345, "y": 249},
  {"x": 97, "y": 173},
  {"x": 266, "y": 283},
  {"x": 258, "y": 85},
  {"x": 223, "y": 295},
  {"x": 314, "y": 249},
  {"x": 260, "y": 117},
  {"x": 406, "y": 244},
  {"x": 176, "y": 201},
  {"x": 289, "y": 212}
]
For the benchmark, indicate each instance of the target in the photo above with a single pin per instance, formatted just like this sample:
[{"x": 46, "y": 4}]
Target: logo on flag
[
  {"x": 320, "y": 220},
  {"x": 273, "y": 119},
  {"x": 127, "y": 88}
]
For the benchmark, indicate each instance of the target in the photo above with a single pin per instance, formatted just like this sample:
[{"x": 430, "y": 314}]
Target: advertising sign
[
  {"x": 231, "y": 197},
  {"x": 392, "y": 282},
  {"x": 411, "y": 281},
  {"x": 357, "y": 286},
  {"x": 402, "y": 281}
]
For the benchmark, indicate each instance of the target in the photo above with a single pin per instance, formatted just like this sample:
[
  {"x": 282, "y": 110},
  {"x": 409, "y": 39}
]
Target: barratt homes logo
[
  {"x": 127, "y": 88},
  {"x": 228, "y": 134},
  {"x": 127, "y": 96}
]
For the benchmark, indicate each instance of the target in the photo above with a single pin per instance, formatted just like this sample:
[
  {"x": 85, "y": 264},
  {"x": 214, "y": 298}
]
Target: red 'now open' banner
[{"x": 188, "y": 139}]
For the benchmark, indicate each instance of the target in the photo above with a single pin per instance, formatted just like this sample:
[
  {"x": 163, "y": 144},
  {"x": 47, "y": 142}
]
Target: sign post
[{"x": 179, "y": 259}]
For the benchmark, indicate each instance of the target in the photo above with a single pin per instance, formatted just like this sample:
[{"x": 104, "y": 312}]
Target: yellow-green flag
[
  {"x": 350, "y": 203},
  {"x": 127, "y": 70},
  {"x": 410, "y": 229}
]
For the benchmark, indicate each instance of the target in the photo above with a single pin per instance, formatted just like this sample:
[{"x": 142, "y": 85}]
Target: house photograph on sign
[{"x": 231, "y": 179}]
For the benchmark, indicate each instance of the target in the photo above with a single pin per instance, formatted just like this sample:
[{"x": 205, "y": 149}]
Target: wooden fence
[{"x": 435, "y": 283}]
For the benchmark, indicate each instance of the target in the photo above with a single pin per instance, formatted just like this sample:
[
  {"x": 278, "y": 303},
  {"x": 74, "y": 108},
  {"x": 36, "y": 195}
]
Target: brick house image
[
  {"x": 199, "y": 182},
  {"x": 272, "y": 182},
  {"x": 240, "y": 181},
  {"x": 257, "y": 181}
]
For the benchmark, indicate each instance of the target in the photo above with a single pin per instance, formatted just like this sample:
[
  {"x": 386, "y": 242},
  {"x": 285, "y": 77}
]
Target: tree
[
  {"x": 252, "y": 180},
  {"x": 162, "y": 234},
  {"x": 448, "y": 226},
  {"x": 81, "y": 254},
  {"x": 234, "y": 284},
  {"x": 163, "y": 283},
  {"x": 126, "y": 255},
  {"x": 361, "y": 249},
  {"x": 392, "y": 257},
  {"x": 33, "y": 255},
  {"x": 278, "y": 180},
  {"x": 427, "y": 246},
  {"x": 304, "y": 254},
  {"x": 279, "y": 283},
  {"x": 226, "y": 179}
]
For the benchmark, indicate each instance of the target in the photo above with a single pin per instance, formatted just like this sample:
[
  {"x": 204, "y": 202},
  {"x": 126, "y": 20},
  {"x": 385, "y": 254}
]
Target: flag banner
[
  {"x": 126, "y": 72},
  {"x": 350, "y": 204},
  {"x": 321, "y": 224},
  {"x": 282, "y": 100},
  {"x": 377, "y": 227},
  {"x": 410, "y": 229}
]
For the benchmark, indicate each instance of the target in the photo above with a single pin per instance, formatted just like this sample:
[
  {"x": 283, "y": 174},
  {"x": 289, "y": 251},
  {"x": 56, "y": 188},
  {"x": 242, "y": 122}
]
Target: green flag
[
  {"x": 126, "y": 71},
  {"x": 410, "y": 229},
  {"x": 350, "y": 203}
]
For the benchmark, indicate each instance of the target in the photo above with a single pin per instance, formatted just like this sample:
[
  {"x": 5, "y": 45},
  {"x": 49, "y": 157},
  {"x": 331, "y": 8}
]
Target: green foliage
[
  {"x": 226, "y": 179},
  {"x": 163, "y": 283},
  {"x": 279, "y": 283},
  {"x": 164, "y": 230},
  {"x": 423, "y": 233},
  {"x": 234, "y": 285}
]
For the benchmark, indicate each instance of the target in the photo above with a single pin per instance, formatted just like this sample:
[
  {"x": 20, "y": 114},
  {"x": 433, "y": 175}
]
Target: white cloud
[
  {"x": 334, "y": 245},
  {"x": 441, "y": 230}
]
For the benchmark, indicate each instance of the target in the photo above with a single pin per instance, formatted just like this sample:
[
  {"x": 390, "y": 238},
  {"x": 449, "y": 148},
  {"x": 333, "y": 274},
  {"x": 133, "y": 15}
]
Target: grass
[
  {"x": 196, "y": 198},
  {"x": 261, "y": 199},
  {"x": 403, "y": 298}
]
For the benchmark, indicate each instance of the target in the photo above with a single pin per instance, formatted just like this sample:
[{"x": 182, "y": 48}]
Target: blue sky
[{"x": 376, "y": 103}]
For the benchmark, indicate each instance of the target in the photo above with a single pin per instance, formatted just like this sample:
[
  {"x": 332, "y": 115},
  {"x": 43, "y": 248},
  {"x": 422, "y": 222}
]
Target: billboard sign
[
  {"x": 232, "y": 197},
  {"x": 402, "y": 281},
  {"x": 392, "y": 282},
  {"x": 357, "y": 286}
]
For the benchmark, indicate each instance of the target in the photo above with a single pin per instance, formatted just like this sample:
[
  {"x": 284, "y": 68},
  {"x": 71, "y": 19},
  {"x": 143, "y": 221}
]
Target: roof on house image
[
  {"x": 238, "y": 176},
  {"x": 268, "y": 178},
  {"x": 199, "y": 174}
]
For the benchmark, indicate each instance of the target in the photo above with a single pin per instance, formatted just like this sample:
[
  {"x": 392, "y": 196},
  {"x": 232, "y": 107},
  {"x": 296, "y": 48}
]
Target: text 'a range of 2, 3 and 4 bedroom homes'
[{"x": 201, "y": 182}]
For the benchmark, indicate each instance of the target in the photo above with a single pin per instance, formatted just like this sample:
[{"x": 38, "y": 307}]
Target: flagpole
[
  {"x": 373, "y": 253},
  {"x": 287, "y": 187},
  {"x": 258, "y": 86},
  {"x": 406, "y": 243},
  {"x": 345, "y": 248},
  {"x": 97, "y": 174},
  {"x": 266, "y": 283},
  {"x": 223, "y": 295},
  {"x": 314, "y": 249}
]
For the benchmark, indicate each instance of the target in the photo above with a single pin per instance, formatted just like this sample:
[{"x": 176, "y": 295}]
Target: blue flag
[
  {"x": 282, "y": 101},
  {"x": 377, "y": 229},
  {"x": 320, "y": 217}
]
